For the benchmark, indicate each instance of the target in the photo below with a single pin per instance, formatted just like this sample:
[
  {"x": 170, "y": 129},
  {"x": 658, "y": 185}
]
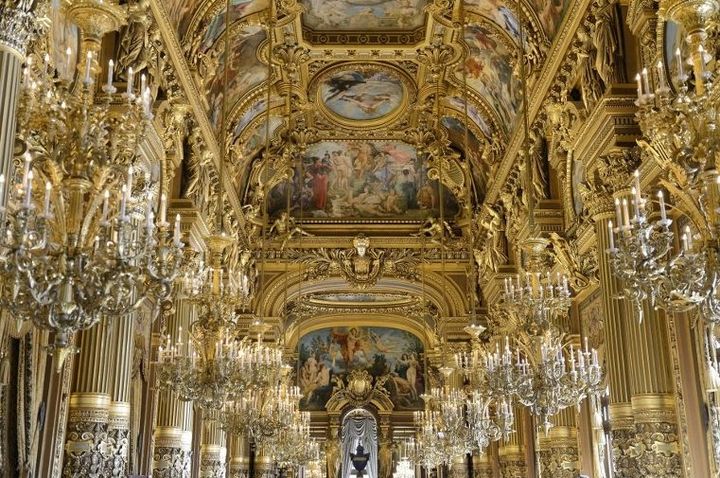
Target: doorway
[{"x": 359, "y": 427}]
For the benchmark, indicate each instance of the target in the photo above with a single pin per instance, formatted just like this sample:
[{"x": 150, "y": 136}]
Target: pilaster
[{"x": 239, "y": 458}]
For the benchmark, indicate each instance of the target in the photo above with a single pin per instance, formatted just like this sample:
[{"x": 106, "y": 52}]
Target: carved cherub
[{"x": 285, "y": 227}]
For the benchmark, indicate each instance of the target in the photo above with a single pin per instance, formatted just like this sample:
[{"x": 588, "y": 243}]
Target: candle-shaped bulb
[
  {"x": 48, "y": 190},
  {"x": 611, "y": 235},
  {"x": 88, "y": 67},
  {"x": 111, "y": 72},
  {"x": 163, "y": 208},
  {"x": 28, "y": 190},
  {"x": 130, "y": 81}
]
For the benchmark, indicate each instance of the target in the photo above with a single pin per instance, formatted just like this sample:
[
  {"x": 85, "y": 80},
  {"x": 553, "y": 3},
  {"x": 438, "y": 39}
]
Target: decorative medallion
[{"x": 361, "y": 94}]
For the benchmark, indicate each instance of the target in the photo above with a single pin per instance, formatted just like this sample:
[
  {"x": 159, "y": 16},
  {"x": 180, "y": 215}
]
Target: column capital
[
  {"x": 16, "y": 28},
  {"x": 613, "y": 172}
]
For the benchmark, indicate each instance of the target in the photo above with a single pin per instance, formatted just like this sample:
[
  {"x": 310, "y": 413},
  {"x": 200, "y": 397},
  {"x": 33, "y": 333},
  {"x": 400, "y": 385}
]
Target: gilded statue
[
  {"x": 435, "y": 230},
  {"x": 385, "y": 459},
  {"x": 285, "y": 228},
  {"x": 489, "y": 253},
  {"x": 135, "y": 40},
  {"x": 606, "y": 41},
  {"x": 538, "y": 164}
]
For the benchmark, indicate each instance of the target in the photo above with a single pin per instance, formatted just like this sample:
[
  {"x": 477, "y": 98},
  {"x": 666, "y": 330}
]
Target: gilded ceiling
[{"x": 361, "y": 79}]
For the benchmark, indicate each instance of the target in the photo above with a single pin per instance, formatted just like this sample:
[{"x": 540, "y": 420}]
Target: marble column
[
  {"x": 89, "y": 412},
  {"x": 213, "y": 451},
  {"x": 173, "y": 431}
]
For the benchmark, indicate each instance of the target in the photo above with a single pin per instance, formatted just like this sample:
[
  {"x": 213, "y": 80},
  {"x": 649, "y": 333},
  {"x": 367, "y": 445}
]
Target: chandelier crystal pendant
[{"x": 78, "y": 240}]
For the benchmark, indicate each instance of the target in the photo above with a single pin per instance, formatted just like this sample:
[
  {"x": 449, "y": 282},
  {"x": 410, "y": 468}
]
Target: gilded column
[
  {"x": 173, "y": 431},
  {"x": 482, "y": 467},
  {"x": 119, "y": 413},
  {"x": 600, "y": 187},
  {"x": 16, "y": 25},
  {"x": 458, "y": 467},
  {"x": 655, "y": 445},
  {"x": 87, "y": 429},
  {"x": 263, "y": 466},
  {"x": 513, "y": 462},
  {"x": 558, "y": 451},
  {"x": 239, "y": 457},
  {"x": 213, "y": 451}
]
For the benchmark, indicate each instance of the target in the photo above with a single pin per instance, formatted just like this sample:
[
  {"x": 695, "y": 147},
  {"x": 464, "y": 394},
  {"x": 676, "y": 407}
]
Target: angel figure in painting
[{"x": 285, "y": 228}]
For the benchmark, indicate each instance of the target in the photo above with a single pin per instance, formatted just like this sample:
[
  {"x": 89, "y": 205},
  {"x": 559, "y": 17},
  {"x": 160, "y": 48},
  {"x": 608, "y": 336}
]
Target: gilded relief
[
  {"x": 363, "y": 14},
  {"x": 362, "y": 180},
  {"x": 327, "y": 356}
]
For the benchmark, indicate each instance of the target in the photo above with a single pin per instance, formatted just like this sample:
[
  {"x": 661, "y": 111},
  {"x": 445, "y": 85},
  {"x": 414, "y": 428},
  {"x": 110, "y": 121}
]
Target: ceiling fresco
[
  {"x": 368, "y": 91},
  {"x": 360, "y": 94},
  {"x": 362, "y": 179},
  {"x": 490, "y": 72},
  {"x": 364, "y": 14}
]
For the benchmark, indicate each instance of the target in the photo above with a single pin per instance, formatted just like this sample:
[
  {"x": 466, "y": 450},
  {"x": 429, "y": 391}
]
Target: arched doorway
[{"x": 359, "y": 427}]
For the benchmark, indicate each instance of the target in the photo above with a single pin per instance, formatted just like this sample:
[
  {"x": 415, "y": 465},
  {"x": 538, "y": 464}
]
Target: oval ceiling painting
[{"x": 362, "y": 94}]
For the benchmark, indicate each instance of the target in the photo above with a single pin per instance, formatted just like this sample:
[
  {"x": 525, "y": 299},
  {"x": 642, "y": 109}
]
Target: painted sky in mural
[
  {"x": 326, "y": 356},
  {"x": 499, "y": 13},
  {"x": 364, "y": 179},
  {"x": 364, "y": 14},
  {"x": 458, "y": 104},
  {"x": 489, "y": 72},
  {"x": 246, "y": 72},
  {"x": 362, "y": 95}
]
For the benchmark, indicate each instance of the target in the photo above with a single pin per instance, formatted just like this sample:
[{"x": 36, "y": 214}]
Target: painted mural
[
  {"x": 364, "y": 14},
  {"x": 326, "y": 356},
  {"x": 550, "y": 13},
  {"x": 246, "y": 71},
  {"x": 214, "y": 26},
  {"x": 362, "y": 95},
  {"x": 474, "y": 114},
  {"x": 255, "y": 109},
  {"x": 180, "y": 14},
  {"x": 499, "y": 13},
  {"x": 362, "y": 180},
  {"x": 489, "y": 73},
  {"x": 256, "y": 141}
]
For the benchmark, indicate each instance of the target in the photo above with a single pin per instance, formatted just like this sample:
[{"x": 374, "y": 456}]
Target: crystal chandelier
[
  {"x": 680, "y": 130},
  {"x": 73, "y": 249},
  {"x": 443, "y": 430},
  {"x": 292, "y": 446},
  {"x": 489, "y": 409},
  {"x": 404, "y": 468},
  {"x": 537, "y": 298},
  {"x": 213, "y": 365},
  {"x": 553, "y": 377}
]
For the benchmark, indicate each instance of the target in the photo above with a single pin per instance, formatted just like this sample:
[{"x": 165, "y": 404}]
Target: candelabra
[
  {"x": 71, "y": 251},
  {"x": 404, "y": 468}
]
